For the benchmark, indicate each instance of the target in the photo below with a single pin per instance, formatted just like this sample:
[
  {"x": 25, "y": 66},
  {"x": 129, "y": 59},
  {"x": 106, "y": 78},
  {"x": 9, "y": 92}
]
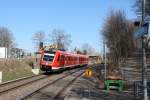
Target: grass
[{"x": 14, "y": 68}]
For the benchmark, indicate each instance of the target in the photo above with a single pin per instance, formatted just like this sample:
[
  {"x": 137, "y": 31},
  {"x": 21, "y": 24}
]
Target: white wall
[{"x": 3, "y": 52}]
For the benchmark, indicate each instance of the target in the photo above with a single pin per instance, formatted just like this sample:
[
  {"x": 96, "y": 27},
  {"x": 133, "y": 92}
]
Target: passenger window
[
  {"x": 62, "y": 57},
  {"x": 66, "y": 58}
]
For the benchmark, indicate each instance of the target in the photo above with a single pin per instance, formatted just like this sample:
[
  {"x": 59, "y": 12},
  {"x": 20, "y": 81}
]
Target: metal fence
[{"x": 138, "y": 90}]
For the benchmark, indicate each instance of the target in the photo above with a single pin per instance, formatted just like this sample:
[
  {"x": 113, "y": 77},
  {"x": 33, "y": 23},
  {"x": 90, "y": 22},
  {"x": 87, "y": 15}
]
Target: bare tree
[
  {"x": 87, "y": 48},
  {"x": 38, "y": 37},
  {"x": 75, "y": 49},
  {"x": 118, "y": 34},
  {"x": 6, "y": 38},
  {"x": 61, "y": 38}
]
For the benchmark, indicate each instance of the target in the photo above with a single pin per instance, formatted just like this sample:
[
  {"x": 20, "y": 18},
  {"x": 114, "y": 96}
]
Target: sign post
[
  {"x": 88, "y": 73},
  {"x": 0, "y": 77},
  {"x": 142, "y": 32}
]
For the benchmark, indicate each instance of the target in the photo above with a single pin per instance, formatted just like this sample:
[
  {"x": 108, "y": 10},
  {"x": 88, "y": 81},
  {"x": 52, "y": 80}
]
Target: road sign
[
  {"x": 88, "y": 72},
  {"x": 142, "y": 30}
]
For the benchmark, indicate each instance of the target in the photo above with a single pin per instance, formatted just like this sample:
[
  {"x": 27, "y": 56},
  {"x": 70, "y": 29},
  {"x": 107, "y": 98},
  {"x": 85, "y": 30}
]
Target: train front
[{"x": 47, "y": 58}]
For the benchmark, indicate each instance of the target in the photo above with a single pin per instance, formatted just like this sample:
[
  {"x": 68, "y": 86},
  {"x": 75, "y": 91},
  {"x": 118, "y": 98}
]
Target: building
[
  {"x": 3, "y": 52},
  {"x": 95, "y": 59},
  {"x": 13, "y": 53},
  {"x": 17, "y": 53}
]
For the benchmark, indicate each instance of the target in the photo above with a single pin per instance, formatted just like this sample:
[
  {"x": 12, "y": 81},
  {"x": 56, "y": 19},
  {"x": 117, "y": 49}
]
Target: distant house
[
  {"x": 3, "y": 52},
  {"x": 95, "y": 59},
  {"x": 13, "y": 53},
  {"x": 17, "y": 53}
]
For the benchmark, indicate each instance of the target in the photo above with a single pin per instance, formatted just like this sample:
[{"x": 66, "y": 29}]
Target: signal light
[{"x": 41, "y": 45}]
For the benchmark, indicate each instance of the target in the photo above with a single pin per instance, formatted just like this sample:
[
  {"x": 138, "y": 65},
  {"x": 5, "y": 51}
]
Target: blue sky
[{"x": 83, "y": 19}]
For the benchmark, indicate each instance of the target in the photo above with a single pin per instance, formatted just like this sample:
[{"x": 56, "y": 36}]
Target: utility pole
[
  {"x": 105, "y": 63},
  {"x": 144, "y": 71},
  {"x": 104, "y": 57},
  {"x": 103, "y": 50},
  {"x": 144, "y": 46}
]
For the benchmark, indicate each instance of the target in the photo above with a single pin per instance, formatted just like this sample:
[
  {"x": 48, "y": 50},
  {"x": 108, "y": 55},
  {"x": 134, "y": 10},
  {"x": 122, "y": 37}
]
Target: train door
[
  {"x": 62, "y": 61},
  {"x": 66, "y": 60}
]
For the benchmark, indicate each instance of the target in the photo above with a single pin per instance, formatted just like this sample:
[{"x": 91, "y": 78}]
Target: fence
[{"x": 138, "y": 90}]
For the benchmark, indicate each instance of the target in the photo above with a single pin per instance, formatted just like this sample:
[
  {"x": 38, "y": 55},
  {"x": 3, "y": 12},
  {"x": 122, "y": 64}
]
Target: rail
[
  {"x": 51, "y": 83},
  {"x": 138, "y": 90},
  {"x": 8, "y": 86}
]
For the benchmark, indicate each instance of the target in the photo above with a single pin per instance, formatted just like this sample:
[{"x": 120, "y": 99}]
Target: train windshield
[{"x": 48, "y": 57}]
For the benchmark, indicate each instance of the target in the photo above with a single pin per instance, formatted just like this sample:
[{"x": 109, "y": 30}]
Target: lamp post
[
  {"x": 144, "y": 68},
  {"x": 144, "y": 46}
]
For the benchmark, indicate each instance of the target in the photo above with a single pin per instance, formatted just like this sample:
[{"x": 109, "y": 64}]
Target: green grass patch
[{"x": 13, "y": 69}]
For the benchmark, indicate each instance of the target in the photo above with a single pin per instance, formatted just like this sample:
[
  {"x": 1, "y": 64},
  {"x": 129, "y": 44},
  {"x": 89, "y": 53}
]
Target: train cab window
[{"x": 48, "y": 57}]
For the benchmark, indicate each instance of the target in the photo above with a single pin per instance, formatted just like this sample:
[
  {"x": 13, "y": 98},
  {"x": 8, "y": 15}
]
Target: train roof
[{"x": 70, "y": 53}]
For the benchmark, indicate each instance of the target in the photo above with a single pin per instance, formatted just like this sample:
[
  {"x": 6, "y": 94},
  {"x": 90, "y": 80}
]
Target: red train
[{"x": 55, "y": 60}]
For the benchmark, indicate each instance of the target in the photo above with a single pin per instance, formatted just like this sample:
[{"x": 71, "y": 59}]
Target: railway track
[
  {"x": 8, "y": 86},
  {"x": 26, "y": 87},
  {"x": 59, "y": 94}
]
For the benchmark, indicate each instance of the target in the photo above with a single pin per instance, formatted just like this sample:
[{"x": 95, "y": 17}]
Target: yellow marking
[{"x": 88, "y": 72}]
